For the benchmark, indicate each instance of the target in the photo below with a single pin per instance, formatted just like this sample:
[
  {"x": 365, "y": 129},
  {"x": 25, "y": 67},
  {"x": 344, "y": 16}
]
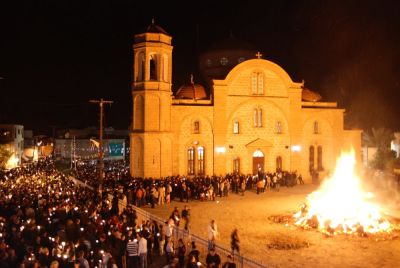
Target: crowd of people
[
  {"x": 160, "y": 191},
  {"x": 48, "y": 221}
]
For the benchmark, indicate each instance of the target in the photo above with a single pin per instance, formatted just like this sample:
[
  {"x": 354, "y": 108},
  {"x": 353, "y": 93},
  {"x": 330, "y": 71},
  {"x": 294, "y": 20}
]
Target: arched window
[
  {"x": 255, "y": 118},
  {"x": 279, "y": 127},
  {"x": 200, "y": 160},
  {"x": 165, "y": 68},
  {"x": 141, "y": 66},
  {"x": 153, "y": 67},
  {"x": 257, "y": 83},
  {"x": 260, "y": 89},
  {"x": 196, "y": 127},
  {"x": 236, "y": 127},
  {"x": 258, "y": 153},
  {"x": 279, "y": 164},
  {"x": 319, "y": 159},
  {"x": 254, "y": 83},
  {"x": 190, "y": 156},
  {"x": 316, "y": 127},
  {"x": 236, "y": 165},
  {"x": 311, "y": 159}
]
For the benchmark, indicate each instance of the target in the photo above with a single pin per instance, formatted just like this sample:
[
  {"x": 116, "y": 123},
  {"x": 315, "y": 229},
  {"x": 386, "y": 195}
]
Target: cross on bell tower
[{"x": 258, "y": 55}]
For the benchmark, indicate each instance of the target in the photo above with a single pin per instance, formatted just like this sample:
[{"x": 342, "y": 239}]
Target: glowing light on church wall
[
  {"x": 296, "y": 148},
  {"x": 220, "y": 149}
]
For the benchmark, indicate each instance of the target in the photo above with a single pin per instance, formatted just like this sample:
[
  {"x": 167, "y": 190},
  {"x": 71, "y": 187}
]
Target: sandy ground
[{"x": 249, "y": 214}]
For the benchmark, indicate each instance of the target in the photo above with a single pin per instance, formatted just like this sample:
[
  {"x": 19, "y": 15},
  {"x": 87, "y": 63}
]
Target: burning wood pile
[{"x": 341, "y": 206}]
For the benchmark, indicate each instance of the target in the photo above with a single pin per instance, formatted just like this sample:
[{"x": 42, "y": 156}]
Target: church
[{"x": 252, "y": 117}]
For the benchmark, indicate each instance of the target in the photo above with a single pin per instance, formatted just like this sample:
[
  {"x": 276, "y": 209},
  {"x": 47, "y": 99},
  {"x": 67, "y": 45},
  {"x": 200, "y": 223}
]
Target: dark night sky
[{"x": 56, "y": 55}]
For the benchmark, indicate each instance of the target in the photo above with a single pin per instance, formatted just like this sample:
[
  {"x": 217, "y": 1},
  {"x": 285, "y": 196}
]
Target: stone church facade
[{"x": 255, "y": 117}]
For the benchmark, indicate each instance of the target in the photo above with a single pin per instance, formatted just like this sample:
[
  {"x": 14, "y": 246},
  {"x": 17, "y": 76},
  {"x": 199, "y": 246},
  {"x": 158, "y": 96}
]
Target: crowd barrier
[
  {"x": 187, "y": 237},
  {"x": 201, "y": 243}
]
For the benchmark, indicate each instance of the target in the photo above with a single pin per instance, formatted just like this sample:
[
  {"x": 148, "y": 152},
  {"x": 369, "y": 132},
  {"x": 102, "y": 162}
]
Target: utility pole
[{"x": 101, "y": 103}]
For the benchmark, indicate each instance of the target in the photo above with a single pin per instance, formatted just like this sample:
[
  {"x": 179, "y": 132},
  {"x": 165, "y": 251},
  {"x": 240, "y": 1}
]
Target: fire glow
[{"x": 341, "y": 206}]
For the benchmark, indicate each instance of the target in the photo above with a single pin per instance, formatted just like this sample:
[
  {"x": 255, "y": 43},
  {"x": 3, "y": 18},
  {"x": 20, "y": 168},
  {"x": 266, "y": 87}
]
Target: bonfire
[{"x": 340, "y": 205}]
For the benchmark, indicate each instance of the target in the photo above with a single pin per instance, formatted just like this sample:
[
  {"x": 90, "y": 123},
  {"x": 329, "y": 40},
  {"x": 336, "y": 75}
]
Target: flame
[
  {"x": 341, "y": 206},
  {"x": 12, "y": 162}
]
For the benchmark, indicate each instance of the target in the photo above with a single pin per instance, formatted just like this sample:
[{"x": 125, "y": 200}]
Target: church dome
[
  {"x": 223, "y": 56},
  {"x": 231, "y": 43},
  {"x": 191, "y": 91},
  {"x": 309, "y": 95},
  {"x": 154, "y": 28}
]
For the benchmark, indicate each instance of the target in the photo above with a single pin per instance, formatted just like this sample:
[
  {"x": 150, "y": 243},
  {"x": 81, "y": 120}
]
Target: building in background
[
  {"x": 87, "y": 149},
  {"x": 253, "y": 117},
  {"x": 82, "y": 144},
  {"x": 395, "y": 144},
  {"x": 12, "y": 136}
]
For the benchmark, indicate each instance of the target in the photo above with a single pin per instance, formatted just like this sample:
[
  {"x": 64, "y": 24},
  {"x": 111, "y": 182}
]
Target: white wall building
[
  {"x": 13, "y": 137},
  {"x": 395, "y": 144}
]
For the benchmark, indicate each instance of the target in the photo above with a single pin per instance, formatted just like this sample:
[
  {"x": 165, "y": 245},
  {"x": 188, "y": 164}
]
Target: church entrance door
[{"x": 258, "y": 162}]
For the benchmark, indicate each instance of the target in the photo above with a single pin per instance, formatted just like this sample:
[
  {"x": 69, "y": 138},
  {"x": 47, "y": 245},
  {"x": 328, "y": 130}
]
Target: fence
[
  {"x": 187, "y": 237},
  {"x": 201, "y": 243}
]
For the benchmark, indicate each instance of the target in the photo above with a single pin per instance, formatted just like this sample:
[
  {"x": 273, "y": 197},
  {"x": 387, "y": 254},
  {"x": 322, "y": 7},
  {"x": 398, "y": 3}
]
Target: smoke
[{"x": 386, "y": 190}]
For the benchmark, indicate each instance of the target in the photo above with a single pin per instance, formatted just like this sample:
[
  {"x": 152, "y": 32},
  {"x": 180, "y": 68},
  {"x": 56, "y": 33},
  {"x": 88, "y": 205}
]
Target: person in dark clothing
[
  {"x": 300, "y": 178},
  {"x": 235, "y": 242},
  {"x": 194, "y": 253},
  {"x": 185, "y": 216},
  {"x": 213, "y": 260},
  {"x": 181, "y": 252},
  {"x": 229, "y": 263}
]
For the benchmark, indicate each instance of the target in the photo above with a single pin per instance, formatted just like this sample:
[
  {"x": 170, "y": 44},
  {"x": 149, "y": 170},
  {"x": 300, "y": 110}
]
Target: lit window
[
  {"x": 311, "y": 159},
  {"x": 257, "y": 117},
  {"x": 190, "y": 152},
  {"x": 257, "y": 83},
  {"x": 236, "y": 127},
  {"x": 236, "y": 165},
  {"x": 260, "y": 89},
  {"x": 254, "y": 83},
  {"x": 316, "y": 127},
  {"x": 279, "y": 164},
  {"x": 279, "y": 127},
  {"x": 209, "y": 62},
  {"x": 200, "y": 160},
  {"x": 224, "y": 61},
  {"x": 196, "y": 128},
  {"x": 141, "y": 66},
  {"x": 319, "y": 158},
  {"x": 153, "y": 67}
]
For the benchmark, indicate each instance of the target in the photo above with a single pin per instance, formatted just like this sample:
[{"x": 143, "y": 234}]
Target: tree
[
  {"x": 5, "y": 155},
  {"x": 380, "y": 138}
]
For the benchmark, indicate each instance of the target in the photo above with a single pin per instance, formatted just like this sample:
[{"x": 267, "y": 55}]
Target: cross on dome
[{"x": 258, "y": 55}]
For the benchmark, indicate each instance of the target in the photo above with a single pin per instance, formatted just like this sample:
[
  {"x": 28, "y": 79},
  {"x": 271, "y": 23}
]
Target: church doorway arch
[{"x": 258, "y": 161}]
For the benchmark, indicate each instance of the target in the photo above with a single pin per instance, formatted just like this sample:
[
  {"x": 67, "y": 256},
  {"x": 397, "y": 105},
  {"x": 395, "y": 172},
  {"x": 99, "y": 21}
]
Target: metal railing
[
  {"x": 201, "y": 243},
  {"x": 187, "y": 237}
]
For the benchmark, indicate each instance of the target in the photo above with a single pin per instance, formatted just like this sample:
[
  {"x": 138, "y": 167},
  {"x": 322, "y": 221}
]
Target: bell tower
[{"x": 151, "y": 144}]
